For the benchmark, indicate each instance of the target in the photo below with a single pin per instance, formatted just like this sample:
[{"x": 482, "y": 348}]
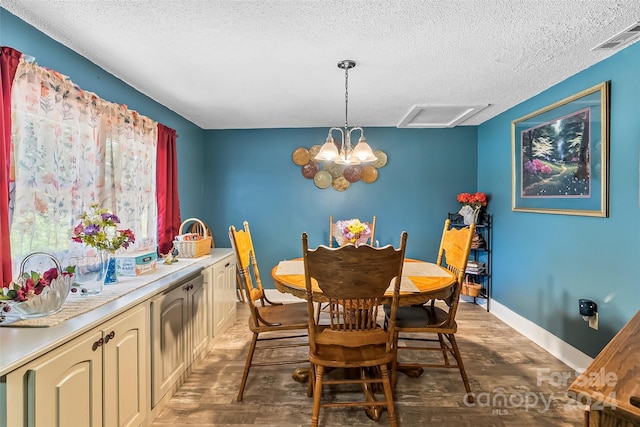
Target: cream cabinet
[
  {"x": 222, "y": 277},
  {"x": 96, "y": 379},
  {"x": 179, "y": 334}
]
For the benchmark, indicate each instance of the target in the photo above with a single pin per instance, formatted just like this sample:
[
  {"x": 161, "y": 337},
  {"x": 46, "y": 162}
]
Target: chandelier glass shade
[{"x": 347, "y": 154}]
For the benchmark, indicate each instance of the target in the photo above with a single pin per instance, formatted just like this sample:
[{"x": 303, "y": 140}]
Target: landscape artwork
[
  {"x": 560, "y": 156},
  {"x": 555, "y": 158}
]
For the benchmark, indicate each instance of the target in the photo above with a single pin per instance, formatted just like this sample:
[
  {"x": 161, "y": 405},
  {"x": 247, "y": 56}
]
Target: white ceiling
[{"x": 272, "y": 63}]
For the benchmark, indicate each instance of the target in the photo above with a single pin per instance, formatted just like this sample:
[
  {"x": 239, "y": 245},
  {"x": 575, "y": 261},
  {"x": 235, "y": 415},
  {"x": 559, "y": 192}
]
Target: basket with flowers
[
  {"x": 34, "y": 294},
  {"x": 351, "y": 231},
  {"x": 472, "y": 205}
]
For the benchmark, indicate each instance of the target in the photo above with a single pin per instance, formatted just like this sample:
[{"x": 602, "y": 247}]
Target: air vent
[
  {"x": 438, "y": 116},
  {"x": 623, "y": 38}
]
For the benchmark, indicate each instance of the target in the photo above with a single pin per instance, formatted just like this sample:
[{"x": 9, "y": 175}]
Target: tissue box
[{"x": 136, "y": 264}]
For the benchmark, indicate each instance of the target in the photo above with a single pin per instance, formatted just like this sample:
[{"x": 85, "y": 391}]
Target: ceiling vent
[
  {"x": 438, "y": 116},
  {"x": 625, "y": 37}
]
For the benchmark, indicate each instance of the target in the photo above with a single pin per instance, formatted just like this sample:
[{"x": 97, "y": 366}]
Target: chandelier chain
[{"x": 346, "y": 97}]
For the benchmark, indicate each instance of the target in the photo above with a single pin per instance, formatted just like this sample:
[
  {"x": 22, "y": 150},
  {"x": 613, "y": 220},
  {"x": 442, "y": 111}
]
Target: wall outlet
[{"x": 593, "y": 321}]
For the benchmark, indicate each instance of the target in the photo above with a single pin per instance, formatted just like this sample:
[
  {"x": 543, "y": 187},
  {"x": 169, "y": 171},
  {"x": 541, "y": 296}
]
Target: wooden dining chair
[
  {"x": 196, "y": 227},
  {"x": 274, "y": 325},
  {"x": 352, "y": 281},
  {"x": 418, "y": 327},
  {"x": 372, "y": 226}
]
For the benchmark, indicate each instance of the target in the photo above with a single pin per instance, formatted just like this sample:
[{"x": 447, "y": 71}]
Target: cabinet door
[
  {"x": 65, "y": 386},
  {"x": 125, "y": 373},
  {"x": 207, "y": 277},
  {"x": 169, "y": 325},
  {"x": 219, "y": 296},
  {"x": 199, "y": 337},
  {"x": 230, "y": 286}
]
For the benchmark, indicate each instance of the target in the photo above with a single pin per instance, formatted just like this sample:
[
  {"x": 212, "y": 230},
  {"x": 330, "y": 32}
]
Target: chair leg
[
  {"x": 444, "y": 348},
  {"x": 394, "y": 363},
  {"x": 239, "y": 287},
  {"x": 463, "y": 373},
  {"x": 311, "y": 381},
  {"x": 247, "y": 366},
  {"x": 388, "y": 394},
  {"x": 317, "y": 394}
]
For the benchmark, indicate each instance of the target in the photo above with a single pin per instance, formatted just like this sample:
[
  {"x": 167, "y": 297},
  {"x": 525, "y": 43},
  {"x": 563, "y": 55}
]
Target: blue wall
[
  {"x": 544, "y": 263},
  {"x": 251, "y": 176},
  {"x": 23, "y": 37}
]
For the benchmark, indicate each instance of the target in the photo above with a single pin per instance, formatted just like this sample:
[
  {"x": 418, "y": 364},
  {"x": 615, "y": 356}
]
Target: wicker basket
[
  {"x": 193, "y": 248},
  {"x": 470, "y": 288}
]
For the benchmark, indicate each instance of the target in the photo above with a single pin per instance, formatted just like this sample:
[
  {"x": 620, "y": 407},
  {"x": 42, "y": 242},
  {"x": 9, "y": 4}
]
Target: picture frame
[{"x": 560, "y": 156}]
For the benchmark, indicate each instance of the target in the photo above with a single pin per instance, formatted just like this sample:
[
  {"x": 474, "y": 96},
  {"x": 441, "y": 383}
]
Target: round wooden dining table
[
  {"x": 421, "y": 281},
  {"x": 426, "y": 281}
]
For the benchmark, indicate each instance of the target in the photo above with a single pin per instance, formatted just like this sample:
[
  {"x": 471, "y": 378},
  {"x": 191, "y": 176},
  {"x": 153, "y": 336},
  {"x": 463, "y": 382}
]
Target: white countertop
[{"x": 19, "y": 345}]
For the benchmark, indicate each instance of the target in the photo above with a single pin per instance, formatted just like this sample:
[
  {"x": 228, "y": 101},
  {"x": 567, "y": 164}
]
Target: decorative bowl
[
  {"x": 48, "y": 302},
  {"x": 52, "y": 296}
]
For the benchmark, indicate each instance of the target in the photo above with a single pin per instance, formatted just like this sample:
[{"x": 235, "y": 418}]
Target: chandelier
[{"x": 347, "y": 155}]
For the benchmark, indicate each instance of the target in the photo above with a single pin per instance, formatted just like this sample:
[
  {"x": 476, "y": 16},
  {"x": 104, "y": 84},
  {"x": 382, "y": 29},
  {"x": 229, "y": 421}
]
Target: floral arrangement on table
[
  {"x": 475, "y": 200},
  {"x": 351, "y": 231},
  {"x": 99, "y": 228}
]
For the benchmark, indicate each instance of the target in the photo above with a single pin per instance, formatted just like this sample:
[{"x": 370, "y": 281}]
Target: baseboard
[{"x": 564, "y": 352}]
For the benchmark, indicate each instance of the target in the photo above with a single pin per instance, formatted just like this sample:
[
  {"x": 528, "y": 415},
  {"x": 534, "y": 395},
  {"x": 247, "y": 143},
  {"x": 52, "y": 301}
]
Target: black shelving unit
[{"x": 479, "y": 254}]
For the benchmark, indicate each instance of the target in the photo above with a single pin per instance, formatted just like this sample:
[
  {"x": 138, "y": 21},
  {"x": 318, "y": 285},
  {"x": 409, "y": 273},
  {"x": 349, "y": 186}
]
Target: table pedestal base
[
  {"x": 300, "y": 375},
  {"x": 410, "y": 371}
]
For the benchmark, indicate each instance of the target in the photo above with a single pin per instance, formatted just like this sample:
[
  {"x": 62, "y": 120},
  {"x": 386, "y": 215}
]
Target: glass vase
[{"x": 90, "y": 272}]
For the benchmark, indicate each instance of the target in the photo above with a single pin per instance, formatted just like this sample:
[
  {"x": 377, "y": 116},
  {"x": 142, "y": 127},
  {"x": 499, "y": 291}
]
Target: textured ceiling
[{"x": 264, "y": 64}]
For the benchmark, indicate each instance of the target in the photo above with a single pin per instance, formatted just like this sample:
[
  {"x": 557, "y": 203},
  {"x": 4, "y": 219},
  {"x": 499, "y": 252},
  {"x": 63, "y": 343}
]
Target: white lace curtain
[{"x": 70, "y": 149}]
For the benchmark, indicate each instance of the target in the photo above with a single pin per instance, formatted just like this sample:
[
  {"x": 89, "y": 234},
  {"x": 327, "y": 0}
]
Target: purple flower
[
  {"x": 110, "y": 217},
  {"x": 91, "y": 229}
]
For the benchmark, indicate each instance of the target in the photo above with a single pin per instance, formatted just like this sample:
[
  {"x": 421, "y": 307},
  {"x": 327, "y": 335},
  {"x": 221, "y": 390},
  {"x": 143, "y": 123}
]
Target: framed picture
[{"x": 560, "y": 156}]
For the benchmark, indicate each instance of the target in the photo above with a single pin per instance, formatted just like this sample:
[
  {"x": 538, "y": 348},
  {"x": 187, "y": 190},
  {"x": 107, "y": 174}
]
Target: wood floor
[{"x": 516, "y": 383}]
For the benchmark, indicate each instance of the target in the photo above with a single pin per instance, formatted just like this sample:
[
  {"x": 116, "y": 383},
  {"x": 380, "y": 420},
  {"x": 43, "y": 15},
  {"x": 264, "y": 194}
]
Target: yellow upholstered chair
[
  {"x": 351, "y": 337},
  {"x": 419, "y": 327},
  {"x": 274, "y": 325}
]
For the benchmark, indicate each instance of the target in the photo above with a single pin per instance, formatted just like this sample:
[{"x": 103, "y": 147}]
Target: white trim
[{"x": 566, "y": 353}]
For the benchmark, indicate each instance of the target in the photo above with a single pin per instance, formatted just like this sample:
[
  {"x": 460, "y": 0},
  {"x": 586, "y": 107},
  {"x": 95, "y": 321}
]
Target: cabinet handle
[
  {"x": 97, "y": 344},
  {"x": 109, "y": 336},
  {"x": 227, "y": 264},
  {"x": 188, "y": 287}
]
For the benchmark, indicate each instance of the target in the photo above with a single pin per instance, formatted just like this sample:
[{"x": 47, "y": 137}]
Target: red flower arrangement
[
  {"x": 32, "y": 284},
  {"x": 476, "y": 200}
]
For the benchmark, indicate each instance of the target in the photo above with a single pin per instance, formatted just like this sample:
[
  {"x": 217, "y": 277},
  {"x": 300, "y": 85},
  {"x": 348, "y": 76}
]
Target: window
[{"x": 70, "y": 149}]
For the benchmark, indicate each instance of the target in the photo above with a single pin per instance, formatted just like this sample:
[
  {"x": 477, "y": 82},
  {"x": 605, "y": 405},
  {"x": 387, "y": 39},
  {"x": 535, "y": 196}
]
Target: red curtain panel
[
  {"x": 9, "y": 59},
  {"x": 167, "y": 188}
]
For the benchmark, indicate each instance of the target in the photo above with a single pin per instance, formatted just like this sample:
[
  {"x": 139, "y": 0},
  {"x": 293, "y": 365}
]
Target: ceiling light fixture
[{"x": 347, "y": 155}]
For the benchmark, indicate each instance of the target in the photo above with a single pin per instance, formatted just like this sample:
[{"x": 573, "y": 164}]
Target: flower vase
[
  {"x": 469, "y": 214},
  {"x": 90, "y": 273},
  {"x": 111, "y": 277}
]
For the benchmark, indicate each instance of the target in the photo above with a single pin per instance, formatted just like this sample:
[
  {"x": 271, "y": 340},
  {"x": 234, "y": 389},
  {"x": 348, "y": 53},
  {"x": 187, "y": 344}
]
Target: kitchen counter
[{"x": 20, "y": 345}]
